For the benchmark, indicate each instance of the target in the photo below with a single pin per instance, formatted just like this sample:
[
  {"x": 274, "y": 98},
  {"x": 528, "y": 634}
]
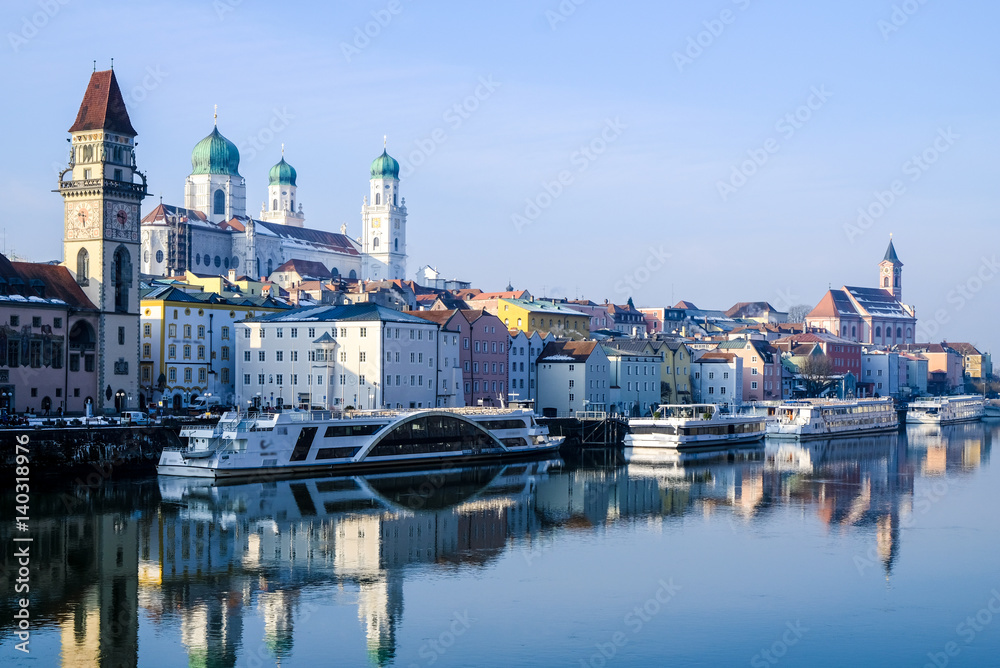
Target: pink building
[
  {"x": 483, "y": 343},
  {"x": 48, "y": 341},
  {"x": 761, "y": 368}
]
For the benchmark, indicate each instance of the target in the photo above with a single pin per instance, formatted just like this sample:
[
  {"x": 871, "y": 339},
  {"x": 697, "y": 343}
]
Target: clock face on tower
[
  {"x": 120, "y": 221},
  {"x": 83, "y": 221}
]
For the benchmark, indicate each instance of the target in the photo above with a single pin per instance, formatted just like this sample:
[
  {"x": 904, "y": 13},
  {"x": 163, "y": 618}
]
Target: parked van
[{"x": 136, "y": 417}]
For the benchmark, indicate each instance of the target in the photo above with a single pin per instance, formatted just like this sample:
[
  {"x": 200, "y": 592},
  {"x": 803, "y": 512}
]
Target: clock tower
[
  {"x": 383, "y": 224},
  {"x": 890, "y": 277},
  {"x": 101, "y": 236}
]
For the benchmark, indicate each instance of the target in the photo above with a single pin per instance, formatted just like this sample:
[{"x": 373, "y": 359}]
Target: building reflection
[{"x": 195, "y": 559}]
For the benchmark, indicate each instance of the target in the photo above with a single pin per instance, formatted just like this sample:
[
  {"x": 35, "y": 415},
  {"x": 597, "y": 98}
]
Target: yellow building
[
  {"x": 544, "y": 317},
  {"x": 226, "y": 286}
]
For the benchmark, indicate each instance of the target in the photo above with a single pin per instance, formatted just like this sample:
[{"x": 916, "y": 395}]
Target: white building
[
  {"x": 449, "y": 372},
  {"x": 717, "y": 378},
  {"x": 522, "y": 356},
  {"x": 635, "y": 381},
  {"x": 573, "y": 376},
  {"x": 883, "y": 373},
  {"x": 360, "y": 355}
]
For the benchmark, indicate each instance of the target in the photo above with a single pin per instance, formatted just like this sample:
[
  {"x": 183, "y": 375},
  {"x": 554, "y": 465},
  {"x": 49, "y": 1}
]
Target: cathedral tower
[
  {"x": 281, "y": 197},
  {"x": 383, "y": 223},
  {"x": 891, "y": 273},
  {"x": 215, "y": 186},
  {"x": 101, "y": 234}
]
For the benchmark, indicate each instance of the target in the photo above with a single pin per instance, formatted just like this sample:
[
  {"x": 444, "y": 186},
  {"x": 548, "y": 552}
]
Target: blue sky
[{"x": 666, "y": 123}]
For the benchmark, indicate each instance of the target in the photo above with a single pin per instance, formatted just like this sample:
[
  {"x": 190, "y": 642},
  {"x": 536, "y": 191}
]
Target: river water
[{"x": 881, "y": 550}]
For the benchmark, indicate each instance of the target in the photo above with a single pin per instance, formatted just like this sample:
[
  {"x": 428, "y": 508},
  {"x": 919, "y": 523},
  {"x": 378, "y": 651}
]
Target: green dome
[
  {"x": 215, "y": 155},
  {"x": 282, "y": 174},
  {"x": 385, "y": 167}
]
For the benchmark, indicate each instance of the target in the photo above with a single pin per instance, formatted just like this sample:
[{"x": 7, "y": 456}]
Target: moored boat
[
  {"x": 816, "y": 418},
  {"x": 309, "y": 442},
  {"x": 947, "y": 410},
  {"x": 686, "y": 427}
]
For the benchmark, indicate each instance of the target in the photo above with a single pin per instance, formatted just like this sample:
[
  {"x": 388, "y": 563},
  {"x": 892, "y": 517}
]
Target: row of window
[
  {"x": 147, "y": 375},
  {"x": 147, "y": 331},
  {"x": 36, "y": 321},
  {"x": 147, "y": 351}
]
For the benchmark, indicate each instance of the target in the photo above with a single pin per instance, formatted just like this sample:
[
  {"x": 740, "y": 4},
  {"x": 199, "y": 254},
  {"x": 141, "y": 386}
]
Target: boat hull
[
  {"x": 639, "y": 450},
  {"x": 798, "y": 435},
  {"x": 449, "y": 460}
]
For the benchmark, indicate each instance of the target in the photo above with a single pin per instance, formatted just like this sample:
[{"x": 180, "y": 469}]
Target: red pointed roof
[{"x": 103, "y": 107}]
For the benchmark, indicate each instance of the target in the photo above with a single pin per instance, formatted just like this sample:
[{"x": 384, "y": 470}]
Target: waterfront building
[
  {"x": 522, "y": 358},
  {"x": 717, "y": 378},
  {"x": 482, "y": 353},
  {"x": 761, "y": 368},
  {"x": 48, "y": 340},
  {"x": 869, "y": 315},
  {"x": 883, "y": 373},
  {"x": 548, "y": 316},
  {"x": 944, "y": 366},
  {"x": 361, "y": 355},
  {"x": 674, "y": 373},
  {"x": 573, "y": 376},
  {"x": 101, "y": 246},
  {"x": 635, "y": 377},
  {"x": 916, "y": 373},
  {"x": 188, "y": 344},
  {"x": 976, "y": 366}
]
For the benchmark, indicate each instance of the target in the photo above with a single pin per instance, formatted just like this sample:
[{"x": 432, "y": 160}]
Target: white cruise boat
[
  {"x": 816, "y": 418},
  {"x": 687, "y": 427},
  {"x": 310, "y": 442},
  {"x": 947, "y": 410}
]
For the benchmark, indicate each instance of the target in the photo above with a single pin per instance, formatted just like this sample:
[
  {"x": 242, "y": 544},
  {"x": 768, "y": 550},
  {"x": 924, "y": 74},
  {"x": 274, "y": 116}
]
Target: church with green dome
[{"x": 212, "y": 234}]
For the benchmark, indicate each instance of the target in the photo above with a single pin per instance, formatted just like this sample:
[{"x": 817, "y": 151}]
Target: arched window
[
  {"x": 292, "y": 205},
  {"x": 899, "y": 332},
  {"x": 895, "y": 281},
  {"x": 378, "y": 198},
  {"x": 397, "y": 244},
  {"x": 394, "y": 198},
  {"x": 353, "y": 274},
  {"x": 878, "y": 332},
  {"x": 82, "y": 267},
  {"x": 121, "y": 278},
  {"x": 375, "y": 243},
  {"x": 909, "y": 333},
  {"x": 270, "y": 266},
  {"x": 274, "y": 204},
  {"x": 854, "y": 332},
  {"x": 885, "y": 282},
  {"x": 219, "y": 206}
]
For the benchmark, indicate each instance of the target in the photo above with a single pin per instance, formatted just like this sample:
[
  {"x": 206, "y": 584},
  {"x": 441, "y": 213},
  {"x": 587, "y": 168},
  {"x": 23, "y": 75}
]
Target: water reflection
[{"x": 199, "y": 561}]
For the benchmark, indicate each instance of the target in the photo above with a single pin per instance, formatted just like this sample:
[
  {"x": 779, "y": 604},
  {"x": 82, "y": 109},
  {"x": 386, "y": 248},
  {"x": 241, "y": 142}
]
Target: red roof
[
  {"x": 103, "y": 107},
  {"x": 59, "y": 283}
]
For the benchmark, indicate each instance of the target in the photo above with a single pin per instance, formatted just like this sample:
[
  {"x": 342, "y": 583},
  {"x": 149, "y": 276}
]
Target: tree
[
  {"x": 798, "y": 312},
  {"x": 817, "y": 372}
]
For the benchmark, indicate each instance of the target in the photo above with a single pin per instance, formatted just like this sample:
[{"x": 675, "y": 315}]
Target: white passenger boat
[
  {"x": 946, "y": 410},
  {"x": 294, "y": 443},
  {"x": 816, "y": 418},
  {"x": 686, "y": 427}
]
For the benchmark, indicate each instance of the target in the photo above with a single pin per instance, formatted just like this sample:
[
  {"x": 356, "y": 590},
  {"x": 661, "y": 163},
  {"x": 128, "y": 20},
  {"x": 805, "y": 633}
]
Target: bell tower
[
  {"x": 101, "y": 233},
  {"x": 890, "y": 276},
  {"x": 383, "y": 223}
]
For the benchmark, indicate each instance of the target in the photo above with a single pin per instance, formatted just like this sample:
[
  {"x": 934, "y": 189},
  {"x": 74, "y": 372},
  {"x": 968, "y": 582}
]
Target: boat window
[
  {"x": 334, "y": 453},
  {"x": 340, "y": 431},
  {"x": 515, "y": 442},
  {"x": 502, "y": 424},
  {"x": 433, "y": 433},
  {"x": 303, "y": 443}
]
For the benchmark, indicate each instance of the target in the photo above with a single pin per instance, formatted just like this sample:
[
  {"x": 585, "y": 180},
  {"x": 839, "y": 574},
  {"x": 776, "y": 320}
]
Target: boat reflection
[{"x": 959, "y": 448}]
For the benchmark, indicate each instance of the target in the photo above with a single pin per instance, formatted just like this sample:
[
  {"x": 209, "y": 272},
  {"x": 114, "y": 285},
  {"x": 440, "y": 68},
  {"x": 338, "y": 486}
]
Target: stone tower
[
  {"x": 383, "y": 223},
  {"x": 101, "y": 234}
]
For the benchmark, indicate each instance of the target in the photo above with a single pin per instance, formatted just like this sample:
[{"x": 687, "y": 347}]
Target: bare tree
[
  {"x": 798, "y": 312},
  {"x": 817, "y": 372}
]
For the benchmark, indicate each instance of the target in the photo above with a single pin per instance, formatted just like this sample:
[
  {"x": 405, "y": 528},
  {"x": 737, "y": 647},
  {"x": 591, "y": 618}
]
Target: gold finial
[
  {"x": 385, "y": 140},
  {"x": 216, "y": 118},
  {"x": 282, "y": 149},
  {"x": 890, "y": 236}
]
